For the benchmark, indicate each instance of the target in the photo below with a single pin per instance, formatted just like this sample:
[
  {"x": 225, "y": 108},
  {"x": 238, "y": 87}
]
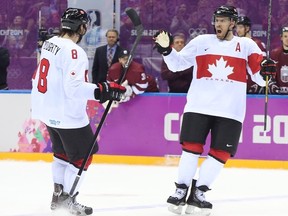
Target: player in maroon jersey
[
  {"x": 280, "y": 55},
  {"x": 136, "y": 80},
  {"x": 243, "y": 29}
]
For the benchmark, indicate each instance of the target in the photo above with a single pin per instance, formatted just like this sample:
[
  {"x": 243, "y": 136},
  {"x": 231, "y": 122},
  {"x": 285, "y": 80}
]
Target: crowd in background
[
  {"x": 192, "y": 18},
  {"x": 19, "y": 24}
]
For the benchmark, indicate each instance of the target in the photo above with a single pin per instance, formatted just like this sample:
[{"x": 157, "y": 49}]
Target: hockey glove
[
  {"x": 273, "y": 88},
  {"x": 128, "y": 93},
  {"x": 163, "y": 42},
  {"x": 109, "y": 91},
  {"x": 254, "y": 89},
  {"x": 268, "y": 68}
]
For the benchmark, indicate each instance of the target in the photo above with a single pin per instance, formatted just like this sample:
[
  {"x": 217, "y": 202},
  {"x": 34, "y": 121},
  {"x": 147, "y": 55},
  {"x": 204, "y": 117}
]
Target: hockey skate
[
  {"x": 196, "y": 203},
  {"x": 57, "y": 197},
  {"x": 62, "y": 201},
  {"x": 75, "y": 208},
  {"x": 178, "y": 199}
]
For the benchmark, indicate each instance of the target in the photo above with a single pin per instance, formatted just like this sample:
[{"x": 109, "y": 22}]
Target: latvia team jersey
[
  {"x": 60, "y": 87},
  {"x": 135, "y": 76},
  {"x": 281, "y": 58},
  {"x": 218, "y": 87}
]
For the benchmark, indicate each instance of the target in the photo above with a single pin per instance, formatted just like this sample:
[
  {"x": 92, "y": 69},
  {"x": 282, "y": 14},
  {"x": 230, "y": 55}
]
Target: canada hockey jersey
[
  {"x": 60, "y": 87},
  {"x": 218, "y": 87}
]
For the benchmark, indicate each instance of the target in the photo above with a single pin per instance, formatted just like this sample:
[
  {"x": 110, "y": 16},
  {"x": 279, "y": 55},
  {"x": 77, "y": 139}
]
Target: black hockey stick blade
[
  {"x": 135, "y": 19},
  {"x": 139, "y": 28},
  {"x": 132, "y": 14}
]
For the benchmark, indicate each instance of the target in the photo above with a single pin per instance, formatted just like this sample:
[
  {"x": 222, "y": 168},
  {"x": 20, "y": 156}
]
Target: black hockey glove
[
  {"x": 109, "y": 91},
  {"x": 163, "y": 42},
  {"x": 268, "y": 68}
]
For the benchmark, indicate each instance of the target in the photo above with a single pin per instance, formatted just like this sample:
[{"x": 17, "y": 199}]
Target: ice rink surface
[{"x": 133, "y": 190}]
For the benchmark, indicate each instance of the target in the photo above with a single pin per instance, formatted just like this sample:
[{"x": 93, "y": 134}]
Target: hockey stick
[
  {"x": 132, "y": 14},
  {"x": 268, "y": 55},
  {"x": 38, "y": 51}
]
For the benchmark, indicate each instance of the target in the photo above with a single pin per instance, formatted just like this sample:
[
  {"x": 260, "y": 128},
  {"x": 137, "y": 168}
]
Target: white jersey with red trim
[
  {"x": 218, "y": 87},
  {"x": 60, "y": 87}
]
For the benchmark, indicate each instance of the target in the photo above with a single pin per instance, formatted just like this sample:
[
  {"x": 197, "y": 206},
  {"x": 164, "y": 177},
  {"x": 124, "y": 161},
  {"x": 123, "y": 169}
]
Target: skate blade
[
  {"x": 175, "y": 209},
  {"x": 61, "y": 212},
  {"x": 195, "y": 211}
]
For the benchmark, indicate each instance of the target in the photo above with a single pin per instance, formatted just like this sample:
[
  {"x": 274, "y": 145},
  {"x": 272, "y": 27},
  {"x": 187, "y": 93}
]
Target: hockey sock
[
  {"x": 58, "y": 170},
  {"x": 208, "y": 172},
  {"x": 69, "y": 178},
  {"x": 187, "y": 167}
]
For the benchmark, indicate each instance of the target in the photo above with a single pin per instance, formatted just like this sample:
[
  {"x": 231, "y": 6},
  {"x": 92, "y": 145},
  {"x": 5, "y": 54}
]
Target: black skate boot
[
  {"x": 196, "y": 203},
  {"x": 58, "y": 189},
  {"x": 178, "y": 199},
  {"x": 74, "y": 207}
]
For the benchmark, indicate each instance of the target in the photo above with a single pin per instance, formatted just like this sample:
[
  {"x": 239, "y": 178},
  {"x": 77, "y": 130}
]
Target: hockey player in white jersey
[
  {"x": 60, "y": 90},
  {"x": 216, "y": 103}
]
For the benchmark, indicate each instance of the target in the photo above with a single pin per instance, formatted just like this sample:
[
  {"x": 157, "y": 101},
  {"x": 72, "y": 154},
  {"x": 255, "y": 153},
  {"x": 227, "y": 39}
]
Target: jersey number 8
[{"x": 43, "y": 72}]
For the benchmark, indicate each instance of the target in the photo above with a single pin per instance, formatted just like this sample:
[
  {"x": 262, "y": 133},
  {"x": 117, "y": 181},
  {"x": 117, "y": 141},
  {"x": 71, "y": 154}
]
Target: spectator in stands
[
  {"x": 4, "y": 63},
  {"x": 280, "y": 55},
  {"x": 136, "y": 81},
  {"x": 180, "y": 20},
  {"x": 29, "y": 11},
  {"x": 177, "y": 82},
  {"x": 243, "y": 29},
  {"x": 105, "y": 56},
  {"x": 204, "y": 9},
  {"x": 280, "y": 12},
  {"x": 16, "y": 37},
  {"x": 3, "y": 26}
]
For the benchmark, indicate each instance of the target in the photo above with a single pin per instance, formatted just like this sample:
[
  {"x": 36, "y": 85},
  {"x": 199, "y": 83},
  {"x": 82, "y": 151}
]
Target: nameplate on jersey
[{"x": 51, "y": 47}]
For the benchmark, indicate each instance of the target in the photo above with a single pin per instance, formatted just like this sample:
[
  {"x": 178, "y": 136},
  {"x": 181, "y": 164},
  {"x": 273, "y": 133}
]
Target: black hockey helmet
[
  {"x": 244, "y": 20},
  {"x": 226, "y": 11},
  {"x": 124, "y": 53},
  {"x": 73, "y": 18},
  {"x": 283, "y": 29}
]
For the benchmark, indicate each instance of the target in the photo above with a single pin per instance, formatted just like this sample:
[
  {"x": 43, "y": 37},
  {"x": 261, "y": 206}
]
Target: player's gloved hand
[
  {"x": 268, "y": 68},
  {"x": 109, "y": 91},
  {"x": 128, "y": 93},
  {"x": 254, "y": 89},
  {"x": 163, "y": 41},
  {"x": 272, "y": 87}
]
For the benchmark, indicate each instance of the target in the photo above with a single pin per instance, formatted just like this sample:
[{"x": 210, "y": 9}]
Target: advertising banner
[{"x": 148, "y": 125}]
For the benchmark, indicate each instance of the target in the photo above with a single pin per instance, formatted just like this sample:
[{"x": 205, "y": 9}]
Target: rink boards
[{"x": 146, "y": 130}]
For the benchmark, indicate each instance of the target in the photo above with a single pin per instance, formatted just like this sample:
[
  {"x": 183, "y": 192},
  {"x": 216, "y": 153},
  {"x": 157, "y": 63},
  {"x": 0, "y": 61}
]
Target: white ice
[{"x": 133, "y": 190}]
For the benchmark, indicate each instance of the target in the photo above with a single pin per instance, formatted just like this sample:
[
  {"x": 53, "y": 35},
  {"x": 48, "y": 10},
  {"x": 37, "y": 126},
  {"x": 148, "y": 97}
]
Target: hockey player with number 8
[
  {"x": 60, "y": 90},
  {"x": 216, "y": 103}
]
